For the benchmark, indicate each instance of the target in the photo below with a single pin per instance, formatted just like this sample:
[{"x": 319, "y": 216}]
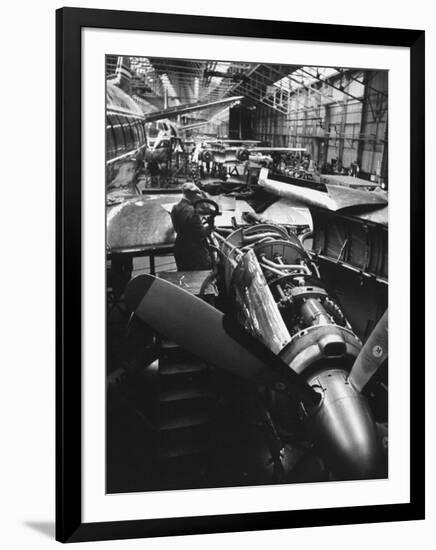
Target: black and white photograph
[
  {"x": 217, "y": 279},
  {"x": 246, "y": 273}
]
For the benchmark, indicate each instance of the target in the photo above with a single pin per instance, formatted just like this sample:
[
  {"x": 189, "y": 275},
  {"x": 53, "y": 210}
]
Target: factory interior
[{"x": 247, "y": 273}]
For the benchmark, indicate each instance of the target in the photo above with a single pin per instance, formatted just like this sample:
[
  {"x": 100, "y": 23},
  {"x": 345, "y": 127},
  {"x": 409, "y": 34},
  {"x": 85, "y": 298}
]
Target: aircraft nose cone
[{"x": 343, "y": 428}]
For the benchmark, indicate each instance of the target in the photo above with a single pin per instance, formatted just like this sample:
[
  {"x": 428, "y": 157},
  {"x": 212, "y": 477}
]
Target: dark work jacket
[{"x": 191, "y": 250}]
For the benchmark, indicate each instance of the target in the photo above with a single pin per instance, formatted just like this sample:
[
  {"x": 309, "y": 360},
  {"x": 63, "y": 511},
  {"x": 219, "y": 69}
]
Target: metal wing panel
[{"x": 140, "y": 223}]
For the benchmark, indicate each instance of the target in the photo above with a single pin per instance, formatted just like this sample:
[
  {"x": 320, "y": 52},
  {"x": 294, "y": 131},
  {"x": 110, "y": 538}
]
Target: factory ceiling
[
  {"x": 191, "y": 81},
  {"x": 170, "y": 82}
]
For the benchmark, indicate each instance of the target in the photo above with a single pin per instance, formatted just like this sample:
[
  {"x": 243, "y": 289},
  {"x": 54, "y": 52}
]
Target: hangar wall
[{"x": 344, "y": 117}]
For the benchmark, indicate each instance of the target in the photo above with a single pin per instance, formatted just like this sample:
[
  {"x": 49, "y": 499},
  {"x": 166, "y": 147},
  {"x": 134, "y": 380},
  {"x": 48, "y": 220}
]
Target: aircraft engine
[
  {"x": 206, "y": 156},
  {"x": 279, "y": 297},
  {"x": 242, "y": 154}
]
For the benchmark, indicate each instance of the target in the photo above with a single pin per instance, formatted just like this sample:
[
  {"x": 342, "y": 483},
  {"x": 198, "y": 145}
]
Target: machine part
[
  {"x": 315, "y": 344},
  {"x": 342, "y": 427},
  {"x": 313, "y": 313},
  {"x": 242, "y": 155},
  {"x": 282, "y": 267},
  {"x": 307, "y": 292},
  {"x": 275, "y": 270},
  {"x": 283, "y": 252},
  {"x": 260, "y": 228},
  {"x": 308, "y": 234},
  {"x": 277, "y": 243},
  {"x": 253, "y": 239},
  {"x": 206, "y": 156},
  {"x": 317, "y": 327},
  {"x": 335, "y": 311}
]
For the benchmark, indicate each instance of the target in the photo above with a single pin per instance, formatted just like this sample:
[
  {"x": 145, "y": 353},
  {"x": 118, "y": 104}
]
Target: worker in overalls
[{"x": 191, "y": 249}]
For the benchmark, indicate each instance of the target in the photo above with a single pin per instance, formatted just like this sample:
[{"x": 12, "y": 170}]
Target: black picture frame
[{"x": 69, "y": 525}]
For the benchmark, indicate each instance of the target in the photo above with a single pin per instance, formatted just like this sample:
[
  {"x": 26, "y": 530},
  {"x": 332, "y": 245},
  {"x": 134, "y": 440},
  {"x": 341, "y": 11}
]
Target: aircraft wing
[
  {"x": 172, "y": 112},
  {"x": 277, "y": 149},
  {"x": 140, "y": 223},
  {"x": 231, "y": 209},
  {"x": 334, "y": 198},
  {"x": 348, "y": 181},
  {"x": 241, "y": 142},
  {"x": 344, "y": 197},
  {"x": 193, "y": 126}
]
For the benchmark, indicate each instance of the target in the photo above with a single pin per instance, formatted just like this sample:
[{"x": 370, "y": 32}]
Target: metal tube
[
  {"x": 286, "y": 266},
  {"x": 224, "y": 241},
  {"x": 269, "y": 268},
  {"x": 313, "y": 313},
  {"x": 254, "y": 238}
]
